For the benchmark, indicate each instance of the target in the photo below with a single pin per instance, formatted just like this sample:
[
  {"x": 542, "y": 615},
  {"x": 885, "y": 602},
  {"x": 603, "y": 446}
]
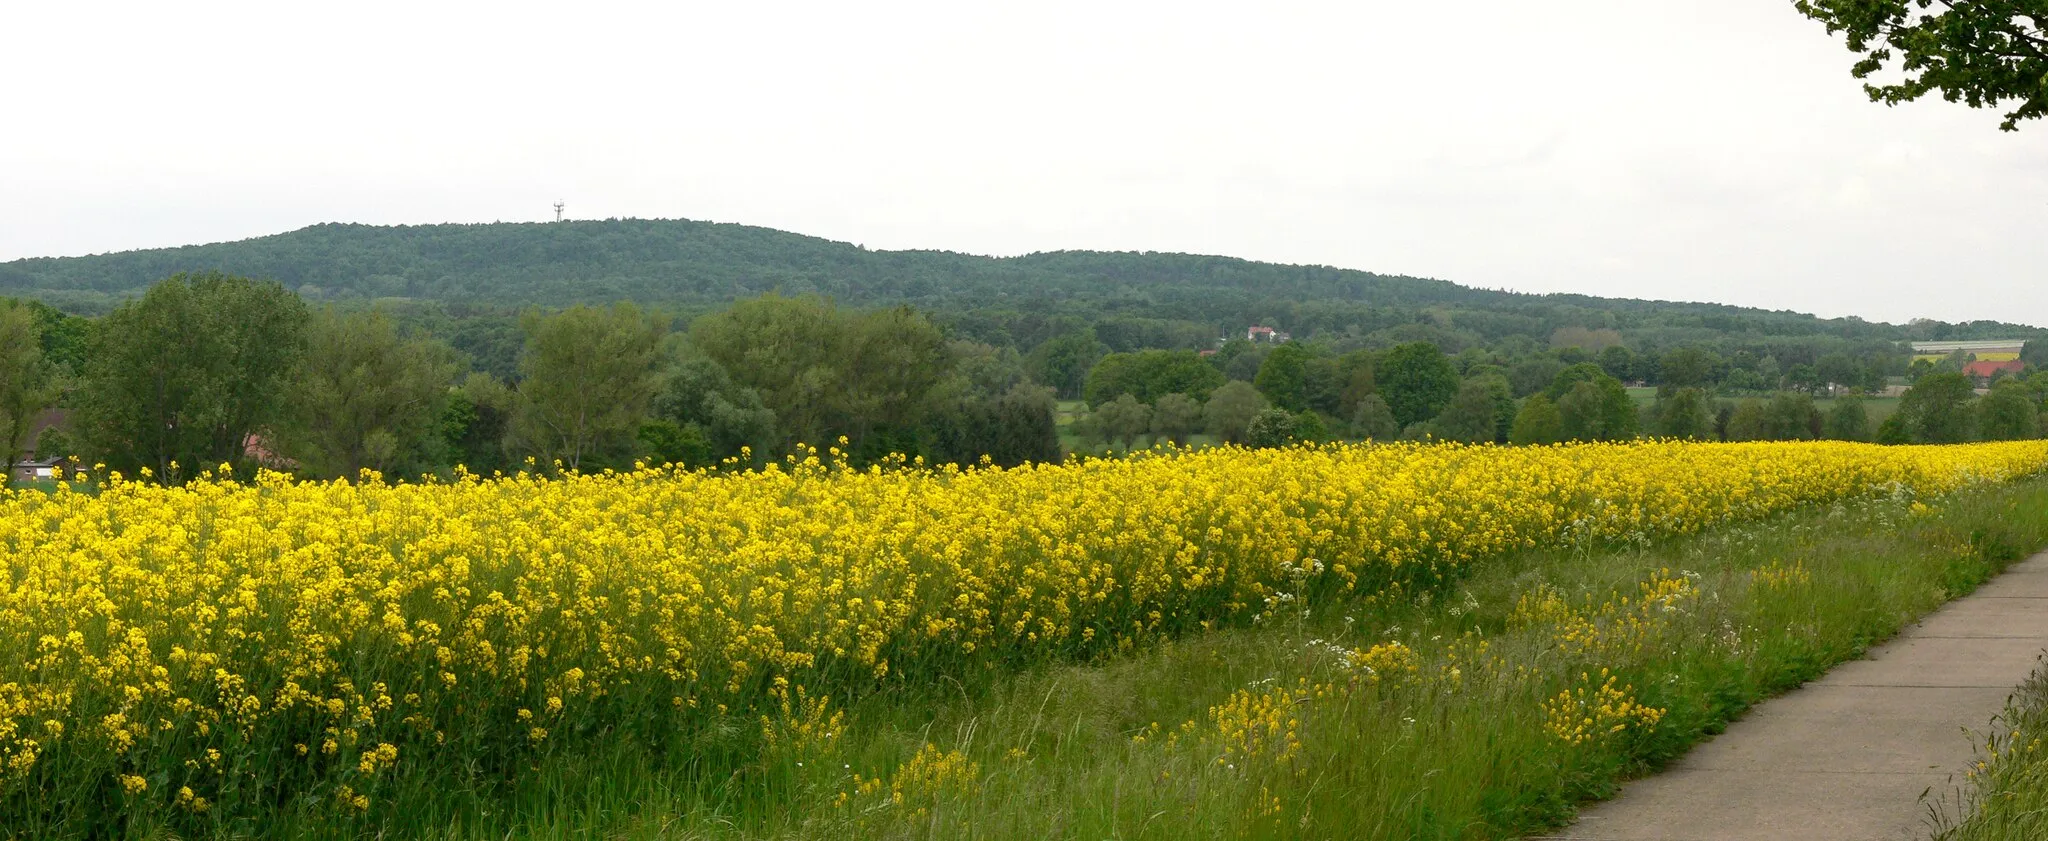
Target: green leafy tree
[
  {"x": 1417, "y": 381},
  {"x": 1533, "y": 375},
  {"x": 1374, "y": 420},
  {"x": 663, "y": 441},
  {"x": 1894, "y": 430},
  {"x": 588, "y": 375},
  {"x": 1685, "y": 414},
  {"x": 1472, "y": 416},
  {"x": 1792, "y": 417},
  {"x": 2009, "y": 413},
  {"x": 26, "y": 384},
  {"x": 1270, "y": 428},
  {"x": 1283, "y": 377},
  {"x": 1685, "y": 367},
  {"x": 1176, "y": 417},
  {"x": 1009, "y": 429},
  {"x": 1750, "y": 421},
  {"x": 1310, "y": 426},
  {"x": 1936, "y": 410},
  {"x": 1355, "y": 373},
  {"x": 476, "y": 422},
  {"x": 697, "y": 393},
  {"x": 365, "y": 397},
  {"x": 1063, "y": 361},
  {"x": 1598, "y": 409},
  {"x": 1124, "y": 420},
  {"x": 1840, "y": 370},
  {"x": 1980, "y": 52},
  {"x": 1618, "y": 361},
  {"x": 1146, "y": 375},
  {"x": 1848, "y": 420},
  {"x": 189, "y": 373},
  {"x": 869, "y": 376},
  {"x": 1538, "y": 422},
  {"x": 1230, "y": 410}
]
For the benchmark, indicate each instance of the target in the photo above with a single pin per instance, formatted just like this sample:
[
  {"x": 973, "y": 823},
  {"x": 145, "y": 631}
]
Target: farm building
[{"x": 1984, "y": 370}]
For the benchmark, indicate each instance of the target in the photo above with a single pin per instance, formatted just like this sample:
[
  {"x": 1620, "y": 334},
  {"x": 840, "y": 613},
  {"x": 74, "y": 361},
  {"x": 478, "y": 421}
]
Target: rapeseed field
[{"x": 189, "y": 655}]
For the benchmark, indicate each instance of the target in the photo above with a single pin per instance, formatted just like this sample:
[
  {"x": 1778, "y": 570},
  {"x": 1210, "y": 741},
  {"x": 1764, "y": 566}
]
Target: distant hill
[{"x": 688, "y": 265}]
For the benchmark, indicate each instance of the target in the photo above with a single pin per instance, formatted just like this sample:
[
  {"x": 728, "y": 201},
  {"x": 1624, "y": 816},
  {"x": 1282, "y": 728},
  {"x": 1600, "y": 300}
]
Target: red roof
[{"x": 1985, "y": 370}]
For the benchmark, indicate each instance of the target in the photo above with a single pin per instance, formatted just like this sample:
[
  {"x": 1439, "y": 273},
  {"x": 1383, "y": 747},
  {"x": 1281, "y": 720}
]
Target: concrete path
[{"x": 1849, "y": 755}]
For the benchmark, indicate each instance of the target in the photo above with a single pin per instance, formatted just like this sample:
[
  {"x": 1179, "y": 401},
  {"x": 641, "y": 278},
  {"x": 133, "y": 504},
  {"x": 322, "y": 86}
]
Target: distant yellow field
[{"x": 1982, "y": 356}]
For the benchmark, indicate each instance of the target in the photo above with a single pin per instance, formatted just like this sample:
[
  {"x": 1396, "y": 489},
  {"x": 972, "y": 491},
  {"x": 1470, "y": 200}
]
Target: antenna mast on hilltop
[{"x": 558, "y": 210}]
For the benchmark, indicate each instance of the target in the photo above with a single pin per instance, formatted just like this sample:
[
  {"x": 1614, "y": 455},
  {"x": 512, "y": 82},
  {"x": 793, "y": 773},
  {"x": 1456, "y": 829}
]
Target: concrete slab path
[{"x": 1849, "y": 755}]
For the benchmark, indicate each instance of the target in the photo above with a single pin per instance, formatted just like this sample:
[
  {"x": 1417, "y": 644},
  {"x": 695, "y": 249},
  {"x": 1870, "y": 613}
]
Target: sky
[{"x": 1712, "y": 150}]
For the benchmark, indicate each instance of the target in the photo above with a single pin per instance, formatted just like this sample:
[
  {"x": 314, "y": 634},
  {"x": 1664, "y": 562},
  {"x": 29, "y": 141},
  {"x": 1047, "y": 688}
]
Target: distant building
[
  {"x": 1267, "y": 334},
  {"x": 1984, "y": 371},
  {"x": 38, "y": 470}
]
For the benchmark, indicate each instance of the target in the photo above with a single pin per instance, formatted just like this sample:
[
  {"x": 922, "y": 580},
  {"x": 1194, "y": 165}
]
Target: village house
[{"x": 1983, "y": 371}]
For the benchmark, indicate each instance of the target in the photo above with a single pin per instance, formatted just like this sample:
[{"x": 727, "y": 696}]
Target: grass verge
[
  {"x": 2005, "y": 797},
  {"x": 1485, "y": 710}
]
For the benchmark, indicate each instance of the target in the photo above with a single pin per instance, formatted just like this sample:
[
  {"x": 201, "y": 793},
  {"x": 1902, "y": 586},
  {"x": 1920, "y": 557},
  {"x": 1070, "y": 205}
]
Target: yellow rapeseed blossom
[{"x": 346, "y": 625}]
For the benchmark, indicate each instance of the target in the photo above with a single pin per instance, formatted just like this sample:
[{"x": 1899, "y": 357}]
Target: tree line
[
  {"x": 211, "y": 369},
  {"x": 1257, "y": 395},
  {"x": 205, "y": 370}
]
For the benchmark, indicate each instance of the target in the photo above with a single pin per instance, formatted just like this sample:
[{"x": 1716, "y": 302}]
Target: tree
[
  {"x": 1283, "y": 377},
  {"x": 365, "y": 397},
  {"x": 588, "y": 376},
  {"x": 1063, "y": 361},
  {"x": 1230, "y": 410},
  {"x": 1936, "y": 410},
  {"x": 26, "y": 386},
  {"x": 1803, "y": 378},
  {"x": 698, "y": 394},
  {"x": 1008, "y": 429},
  {"x": 1848, "y": 420},
  {"x": 1619, "y": 362},
  {"x": 1684, "y": 415},
  {"x": 1176, "y": 417},
  {"x": 189, "y": 373},
  {"x": 1124, "y": 419},
  {"x": 1270, "y": 428},
  {"x": 1538, "y": 422},
  {"x": 1145, "y": 375},
  {"x": 1598, "y": 409},
  {"x": 1791, "y": 417},
  {"x": 1473, "y": 415},
  {"x": 1310, "y": 426},
  {"x": 869, "y": 376},
  {"x": 1416, "y": 380},
  {"x": 1979, "y": 52},
  {"x": 1750, "y": 422},
  {"x": 476, "y": 422},
  {"x": 1685, "y": 367},
  {"x": 665, "y": 442},
  {"x": 1374, "y": 421},
  {"x": 1840, "y": 370},
  {"x": 2009, "y": 413},
  {"x": 1533, "y": 375}
]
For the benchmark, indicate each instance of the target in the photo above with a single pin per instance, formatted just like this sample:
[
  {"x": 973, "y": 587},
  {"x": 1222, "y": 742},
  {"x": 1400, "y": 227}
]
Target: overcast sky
[{"x": 1687, "y": 149}]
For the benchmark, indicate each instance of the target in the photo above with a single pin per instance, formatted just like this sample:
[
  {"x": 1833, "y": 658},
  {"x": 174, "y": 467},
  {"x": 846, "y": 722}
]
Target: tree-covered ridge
[{"x": 693, "y": 266}]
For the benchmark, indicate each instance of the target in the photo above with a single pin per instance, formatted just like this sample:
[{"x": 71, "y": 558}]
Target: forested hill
[
  {"x": 678, "y": 262},
  {"x": 687, "y": 265}
]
